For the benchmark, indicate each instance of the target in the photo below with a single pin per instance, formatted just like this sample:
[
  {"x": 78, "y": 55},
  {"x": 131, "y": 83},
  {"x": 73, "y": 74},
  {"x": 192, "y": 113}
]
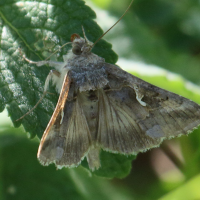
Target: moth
[{"x": 104, "y": 107}]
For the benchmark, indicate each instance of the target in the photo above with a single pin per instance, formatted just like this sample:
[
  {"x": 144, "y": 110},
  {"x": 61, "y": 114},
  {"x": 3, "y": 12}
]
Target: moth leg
[
  {"x": 40, "y": 63},
  {"x": 51, "y": 75},
  {"x": 44, "y": 62}
]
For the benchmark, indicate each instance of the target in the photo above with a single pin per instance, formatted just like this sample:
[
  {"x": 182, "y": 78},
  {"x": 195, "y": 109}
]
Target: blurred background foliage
[
  {"x": 164, "y": 33},
  {"x": 161, "y": 32}
]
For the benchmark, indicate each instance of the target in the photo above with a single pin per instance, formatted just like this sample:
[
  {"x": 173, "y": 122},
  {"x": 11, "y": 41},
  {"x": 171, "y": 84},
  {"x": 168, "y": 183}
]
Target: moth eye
[{"x": 76, "y": 50}]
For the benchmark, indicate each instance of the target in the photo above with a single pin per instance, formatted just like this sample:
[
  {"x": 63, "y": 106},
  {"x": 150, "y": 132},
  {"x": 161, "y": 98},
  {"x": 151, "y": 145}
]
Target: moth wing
[
  {"x": 135, "y": 116},
  {"x": 66, "y": 139}
]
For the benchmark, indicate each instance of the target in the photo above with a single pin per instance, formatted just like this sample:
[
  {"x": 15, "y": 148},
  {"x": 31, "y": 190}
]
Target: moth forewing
[{"x": 47, "y": 138}]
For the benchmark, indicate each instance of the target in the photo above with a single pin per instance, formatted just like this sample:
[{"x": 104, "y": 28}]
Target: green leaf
[{"x": 113, "y": 165}]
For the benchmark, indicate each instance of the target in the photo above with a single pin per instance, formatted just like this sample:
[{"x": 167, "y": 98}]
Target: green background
[{"x": 164, "y": 33}]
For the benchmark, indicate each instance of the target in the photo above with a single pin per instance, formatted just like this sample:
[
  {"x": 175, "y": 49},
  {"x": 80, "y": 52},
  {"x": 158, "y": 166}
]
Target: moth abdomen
[{"x": 92, "y": 96}]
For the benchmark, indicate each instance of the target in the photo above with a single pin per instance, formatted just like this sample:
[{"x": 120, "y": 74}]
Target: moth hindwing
[{"x": 103, "y": 107}]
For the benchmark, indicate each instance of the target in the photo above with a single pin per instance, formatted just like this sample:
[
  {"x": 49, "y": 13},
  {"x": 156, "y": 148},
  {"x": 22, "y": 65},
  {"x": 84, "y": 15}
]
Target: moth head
[
  {"x": 80, "y": 45},
  {"x": 83, "y": 45}
]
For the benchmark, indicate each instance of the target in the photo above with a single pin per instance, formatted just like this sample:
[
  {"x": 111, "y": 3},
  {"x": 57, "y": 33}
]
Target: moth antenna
[
  {"x": 42, "y": 97},
  {"x": 58, "y": 50},
  {"x": 84, "y": 34},
  {"x": 114, "y": 23}
]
